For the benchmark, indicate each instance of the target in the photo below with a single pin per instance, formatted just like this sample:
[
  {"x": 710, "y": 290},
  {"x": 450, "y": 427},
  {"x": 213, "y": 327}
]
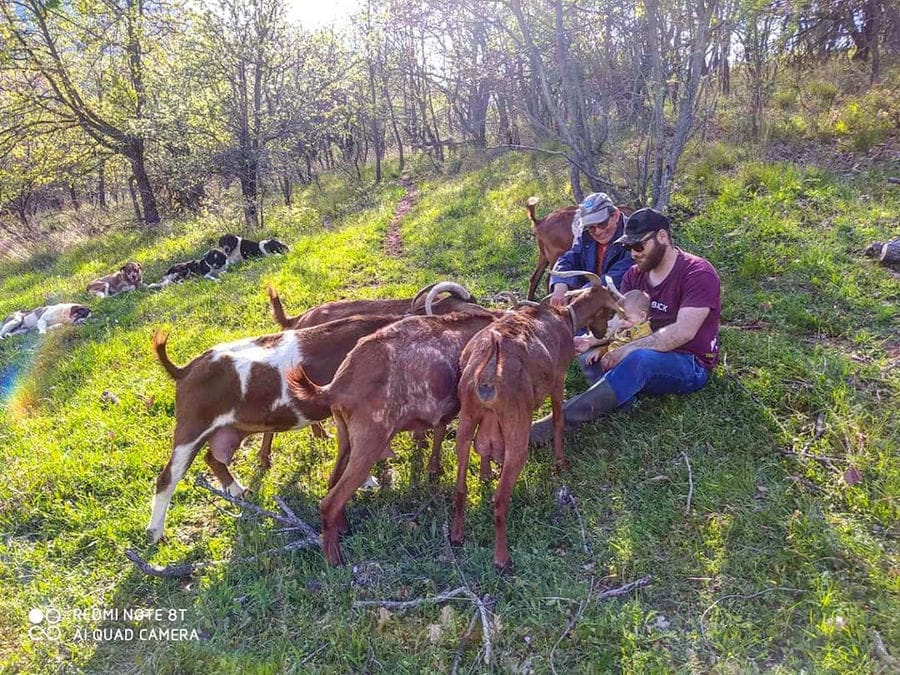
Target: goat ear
[{"x": 575, "y": 293}]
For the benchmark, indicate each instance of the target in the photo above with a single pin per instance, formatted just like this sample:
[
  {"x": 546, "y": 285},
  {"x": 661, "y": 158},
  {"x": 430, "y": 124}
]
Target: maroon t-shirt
[{"x": 693, "y": 282}]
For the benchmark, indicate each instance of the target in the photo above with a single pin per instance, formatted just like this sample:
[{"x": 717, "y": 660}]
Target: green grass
[{"x": 809, "y": 329}]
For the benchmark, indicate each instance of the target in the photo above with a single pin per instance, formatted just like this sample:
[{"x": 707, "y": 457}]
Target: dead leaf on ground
[
  {"x": 384, "y": 617},
  {"x": 434, "y": 633},
  {"x": 852, "y": 476}
]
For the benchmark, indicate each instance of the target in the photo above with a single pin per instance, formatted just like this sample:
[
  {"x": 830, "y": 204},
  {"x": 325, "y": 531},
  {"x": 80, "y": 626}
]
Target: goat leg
[
  {"x": 559, "y": 424},
  {"x": 516, "y": 443},
  {"x": 464, "y": 436},
  {"x": 265, "y": 451},
  {"x": 434, "y": 463}
]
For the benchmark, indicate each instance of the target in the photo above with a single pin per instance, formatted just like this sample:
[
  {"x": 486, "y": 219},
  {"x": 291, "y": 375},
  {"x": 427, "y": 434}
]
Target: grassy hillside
[{"x": 783, "y": 562}]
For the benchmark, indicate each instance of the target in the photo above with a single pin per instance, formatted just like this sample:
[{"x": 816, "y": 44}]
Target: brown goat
[
  {"x": 238, "y": 388},
  {"x": 459, "y": 300},
  {"x": 404, "y": 377},
  {"x": 554, "y": 237},
  {"x": 507, "y": 370},
  {"x": 330, "y": 311}
]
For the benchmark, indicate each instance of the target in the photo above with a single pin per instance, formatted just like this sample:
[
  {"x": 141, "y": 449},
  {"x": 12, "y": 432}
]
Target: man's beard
[{"x": 652, "y": 258}]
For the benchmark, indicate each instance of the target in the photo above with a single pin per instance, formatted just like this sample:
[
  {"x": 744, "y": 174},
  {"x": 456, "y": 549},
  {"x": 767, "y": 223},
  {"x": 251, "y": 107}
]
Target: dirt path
[{"x": 393, "y": 239}]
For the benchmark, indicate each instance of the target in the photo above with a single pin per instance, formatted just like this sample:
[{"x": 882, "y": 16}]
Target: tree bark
[{"x": 142, "y": 181}]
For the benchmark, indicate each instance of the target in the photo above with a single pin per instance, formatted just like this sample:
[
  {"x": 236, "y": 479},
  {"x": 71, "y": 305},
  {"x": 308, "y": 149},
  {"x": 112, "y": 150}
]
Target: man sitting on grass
[{"x": 678, "y": 356}]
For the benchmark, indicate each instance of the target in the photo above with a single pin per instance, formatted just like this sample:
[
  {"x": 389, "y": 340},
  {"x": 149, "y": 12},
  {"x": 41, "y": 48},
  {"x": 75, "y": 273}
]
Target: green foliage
[{"x": 809, "y": 329}]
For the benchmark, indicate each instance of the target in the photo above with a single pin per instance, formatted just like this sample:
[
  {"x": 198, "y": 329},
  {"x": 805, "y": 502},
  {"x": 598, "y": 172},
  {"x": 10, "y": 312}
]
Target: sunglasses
[
  {"x": 638, "y": 246},
  {"x": 600, "y": 226}
]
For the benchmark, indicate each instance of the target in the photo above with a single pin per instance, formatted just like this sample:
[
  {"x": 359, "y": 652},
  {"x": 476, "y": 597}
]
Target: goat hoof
[
  {"x": 560, "y": 467},
  {"x": 154, "y": 536},
  {"x": 505, "y": 569},
  {"x": 456, "y": 544},
  {"x": 237, "y": 490}
]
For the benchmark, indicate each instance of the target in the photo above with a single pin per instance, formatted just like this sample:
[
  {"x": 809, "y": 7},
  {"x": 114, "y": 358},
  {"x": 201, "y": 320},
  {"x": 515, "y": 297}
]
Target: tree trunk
[
  {"x": 101, "y": 185},
  {"x": 138, "y": 216},
  {"x": 286, "y": 189},
  {"x": 148, "y": 201},
  {"x": 247, "y": 178}
]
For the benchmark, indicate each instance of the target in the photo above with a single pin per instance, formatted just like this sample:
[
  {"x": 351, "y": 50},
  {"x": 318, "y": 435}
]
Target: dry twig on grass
[
  {"x": 687, "y": 508},
  {"x": 309, "y": 537},
  {"x": 289, "y": 519},
  {"x": 625, "y": 589},
  {"x": 187, "y": 569},
  {"x": 571, "y": 624}
]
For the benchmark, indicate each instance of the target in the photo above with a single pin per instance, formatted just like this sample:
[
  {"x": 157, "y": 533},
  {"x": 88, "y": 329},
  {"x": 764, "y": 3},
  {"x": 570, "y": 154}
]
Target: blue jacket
[{"x": 583, "y": 256}]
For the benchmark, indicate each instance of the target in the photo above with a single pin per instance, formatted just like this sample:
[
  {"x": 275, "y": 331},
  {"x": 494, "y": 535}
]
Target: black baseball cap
[{"x": 641, "y": 223}]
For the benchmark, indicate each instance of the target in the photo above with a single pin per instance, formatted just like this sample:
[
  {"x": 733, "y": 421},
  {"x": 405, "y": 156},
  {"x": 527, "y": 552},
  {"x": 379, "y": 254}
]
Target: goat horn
[
  {"x": 419, "y": 296},
  {"x": 445, "y": 286},
  {"x": 593, "y": 278},
  {"x": 508, "y": 296},
  {"x": 611, "y": 287},
  {"x": 527, "y": 303}
]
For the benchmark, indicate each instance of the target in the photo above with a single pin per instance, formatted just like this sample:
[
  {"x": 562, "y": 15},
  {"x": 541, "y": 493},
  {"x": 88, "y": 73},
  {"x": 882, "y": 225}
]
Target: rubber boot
[{"x": 587, "y": 406}]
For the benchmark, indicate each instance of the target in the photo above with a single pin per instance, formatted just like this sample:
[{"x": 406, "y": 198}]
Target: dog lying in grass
[
  {"x": 207, "y": 267},
  {"x": 128, "y": 278},
  {"x": 237, "y": 248},
  {"x": 43, "y": 319}
]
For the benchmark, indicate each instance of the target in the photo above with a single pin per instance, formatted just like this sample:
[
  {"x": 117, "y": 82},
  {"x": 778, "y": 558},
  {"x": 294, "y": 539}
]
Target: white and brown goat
[
  {"x": 239, "y": 388},
  {"x": 507, "y": 370}
]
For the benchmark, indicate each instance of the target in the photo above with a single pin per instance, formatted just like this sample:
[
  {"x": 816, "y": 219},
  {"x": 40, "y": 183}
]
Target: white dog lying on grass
[{"x": 44, "y": 318}]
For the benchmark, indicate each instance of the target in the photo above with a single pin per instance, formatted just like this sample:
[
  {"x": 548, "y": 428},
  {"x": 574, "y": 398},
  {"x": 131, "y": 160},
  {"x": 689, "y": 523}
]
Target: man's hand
[
  {"x": 593, "y": 357},
  {"x": 665, "y": 339},
  {"x": 558, "y": 299}
]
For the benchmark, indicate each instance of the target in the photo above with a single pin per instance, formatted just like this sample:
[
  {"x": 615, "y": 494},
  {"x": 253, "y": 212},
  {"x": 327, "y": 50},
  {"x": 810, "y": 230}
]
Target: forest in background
[{"x": 163, "y": 108}]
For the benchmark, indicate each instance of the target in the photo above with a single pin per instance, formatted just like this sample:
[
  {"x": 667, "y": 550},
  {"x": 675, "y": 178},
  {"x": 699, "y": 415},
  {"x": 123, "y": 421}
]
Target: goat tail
[
  {"x": 486, "y": 381},
  {"x": 530, "y": 206},
  {"x": 277, "y": 308},
  {"x": 304, "y": 388},
  {"x": 160, "y": 337}
]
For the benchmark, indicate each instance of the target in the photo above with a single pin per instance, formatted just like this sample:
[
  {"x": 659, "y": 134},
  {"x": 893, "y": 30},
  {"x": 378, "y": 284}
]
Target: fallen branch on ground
[
  {"x": 625, "y": 589},
  {"x": 566, "y": 500},
  {"x": 402, "y": 606},
  {"x": 289, "y": 519},
  {"x": 187, "y": 569},
  {"x": 309, "y": 537}
]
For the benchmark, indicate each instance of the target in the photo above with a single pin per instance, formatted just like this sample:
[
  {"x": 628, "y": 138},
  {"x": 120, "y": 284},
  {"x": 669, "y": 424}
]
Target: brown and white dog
[
  {"x": 43, "y": 318},
  {"x": 126, "y": 279},
  {"x": 237, "y": 248}
]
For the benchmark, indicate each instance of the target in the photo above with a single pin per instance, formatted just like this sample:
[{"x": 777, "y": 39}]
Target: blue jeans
[{"x": 650, "y": 372}]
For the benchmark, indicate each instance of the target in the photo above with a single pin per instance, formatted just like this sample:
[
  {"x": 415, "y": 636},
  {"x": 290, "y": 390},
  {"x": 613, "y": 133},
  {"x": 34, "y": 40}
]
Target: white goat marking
[
  {"x": 244, "y": 353},
  {"x": 181, "y": 456}
]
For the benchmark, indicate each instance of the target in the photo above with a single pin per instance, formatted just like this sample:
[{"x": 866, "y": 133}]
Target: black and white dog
[
  {"x": 237, "y": 248},
  {"x": 43, "y": 318},
  {"x": 214, "y": 261}
]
